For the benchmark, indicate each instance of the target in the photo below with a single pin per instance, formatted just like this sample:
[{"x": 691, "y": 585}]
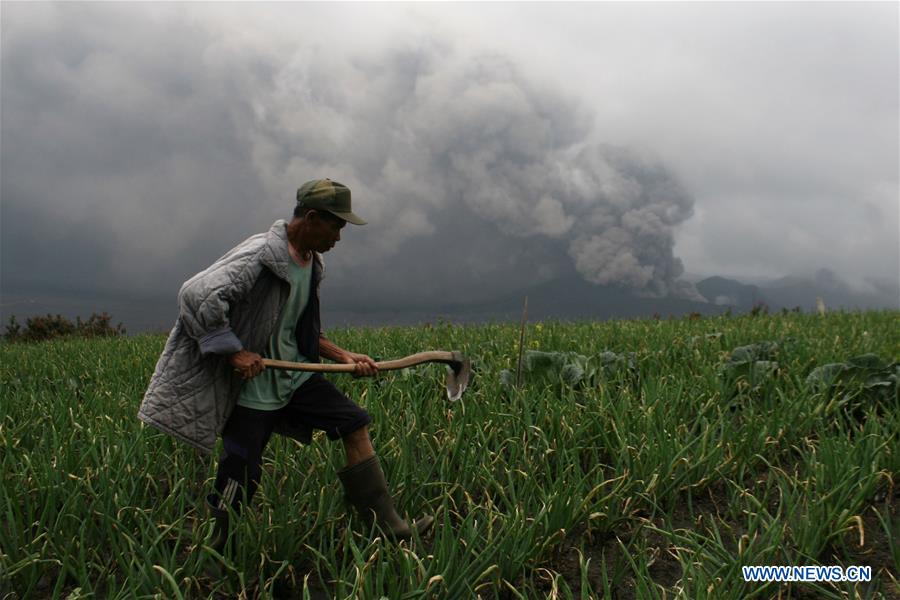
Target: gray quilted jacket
[{"x": 232, "y": 305}]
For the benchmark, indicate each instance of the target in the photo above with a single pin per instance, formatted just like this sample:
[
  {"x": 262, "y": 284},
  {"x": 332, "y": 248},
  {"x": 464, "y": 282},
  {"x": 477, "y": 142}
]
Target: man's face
[{"x": 325, "y": 230}]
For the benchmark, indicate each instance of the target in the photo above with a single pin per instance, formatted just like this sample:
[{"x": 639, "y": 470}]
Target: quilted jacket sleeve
[{"x": 205, "y": 300}]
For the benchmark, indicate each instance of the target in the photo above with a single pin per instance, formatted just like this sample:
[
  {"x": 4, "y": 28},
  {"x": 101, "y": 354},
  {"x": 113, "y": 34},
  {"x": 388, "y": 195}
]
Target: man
[{"x": 261, "y": 299}]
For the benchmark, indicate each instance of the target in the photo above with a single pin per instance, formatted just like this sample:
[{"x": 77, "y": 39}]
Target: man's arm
[
  {"x": 365, "y": 366},
  {"x": 248, "y": 364},
  {"x": 206, "y": 299}
]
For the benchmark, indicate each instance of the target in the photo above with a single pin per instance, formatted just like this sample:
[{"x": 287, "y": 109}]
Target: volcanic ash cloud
[{"x": 430, "y": 134}]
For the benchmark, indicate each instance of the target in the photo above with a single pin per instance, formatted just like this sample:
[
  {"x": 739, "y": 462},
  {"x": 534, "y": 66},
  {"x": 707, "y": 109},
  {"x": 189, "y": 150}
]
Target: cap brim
[{"x": 350, "y": 217}]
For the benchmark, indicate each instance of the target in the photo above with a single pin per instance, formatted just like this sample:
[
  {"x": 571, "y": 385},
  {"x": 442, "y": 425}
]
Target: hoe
[{"x": 457, "y": 376}]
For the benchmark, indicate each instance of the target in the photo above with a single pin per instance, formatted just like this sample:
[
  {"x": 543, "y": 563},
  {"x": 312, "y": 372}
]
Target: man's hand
[
  {"x": 248, "y": 364},
  {"x": 365, "y": 366}
]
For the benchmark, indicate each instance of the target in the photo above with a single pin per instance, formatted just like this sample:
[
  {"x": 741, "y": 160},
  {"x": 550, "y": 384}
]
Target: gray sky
[{"x": 491, "y": 146}]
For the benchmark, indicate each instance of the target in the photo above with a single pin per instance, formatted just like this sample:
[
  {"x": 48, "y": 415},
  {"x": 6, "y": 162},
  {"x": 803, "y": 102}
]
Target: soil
[{"x": 666, "y": 570}]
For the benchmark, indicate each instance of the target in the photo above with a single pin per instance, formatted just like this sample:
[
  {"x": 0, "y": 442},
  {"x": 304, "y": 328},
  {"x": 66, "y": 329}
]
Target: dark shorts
[
  {"x": 320, "y": 405},
  {"x": 316, "y": 404}
]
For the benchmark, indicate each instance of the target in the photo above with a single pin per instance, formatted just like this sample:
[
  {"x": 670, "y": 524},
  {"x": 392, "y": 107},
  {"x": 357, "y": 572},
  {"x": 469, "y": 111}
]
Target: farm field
[{"x": 657, "y": 463}]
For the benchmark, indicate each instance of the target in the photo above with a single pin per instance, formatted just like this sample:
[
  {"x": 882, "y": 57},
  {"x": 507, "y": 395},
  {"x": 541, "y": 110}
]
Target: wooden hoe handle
[{"x": 388, "y": 365}]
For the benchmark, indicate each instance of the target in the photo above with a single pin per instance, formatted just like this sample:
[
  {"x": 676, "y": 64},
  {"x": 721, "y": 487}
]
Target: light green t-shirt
[{"x": 272, "y": 389}]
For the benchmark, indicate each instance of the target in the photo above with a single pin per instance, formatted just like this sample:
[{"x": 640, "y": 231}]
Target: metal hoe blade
[{"x": 458, "y": 375}]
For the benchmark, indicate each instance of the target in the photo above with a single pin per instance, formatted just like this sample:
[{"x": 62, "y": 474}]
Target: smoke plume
[
  {"x": 137, "y": 150},
  {"x": 474, "y": 176}
]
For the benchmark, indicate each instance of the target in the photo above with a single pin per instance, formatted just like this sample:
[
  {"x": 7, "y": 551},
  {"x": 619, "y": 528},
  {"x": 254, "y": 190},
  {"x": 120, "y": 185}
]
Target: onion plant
[{"x": 661, "y": 484}]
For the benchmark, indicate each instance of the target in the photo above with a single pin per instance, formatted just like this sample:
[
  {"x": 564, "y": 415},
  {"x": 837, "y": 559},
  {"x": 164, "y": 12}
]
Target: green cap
[{"x": 325, "y": 194}]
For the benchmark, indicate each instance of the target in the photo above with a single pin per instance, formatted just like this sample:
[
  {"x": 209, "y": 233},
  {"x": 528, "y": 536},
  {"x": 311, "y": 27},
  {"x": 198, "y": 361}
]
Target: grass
[{"x": 660, "y": 489}]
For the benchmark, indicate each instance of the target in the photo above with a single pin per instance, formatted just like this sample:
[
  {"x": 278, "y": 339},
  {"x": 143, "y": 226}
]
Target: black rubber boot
[
  {"x": 220, "y": 540},
  {"x": 366, "y": 489}
]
